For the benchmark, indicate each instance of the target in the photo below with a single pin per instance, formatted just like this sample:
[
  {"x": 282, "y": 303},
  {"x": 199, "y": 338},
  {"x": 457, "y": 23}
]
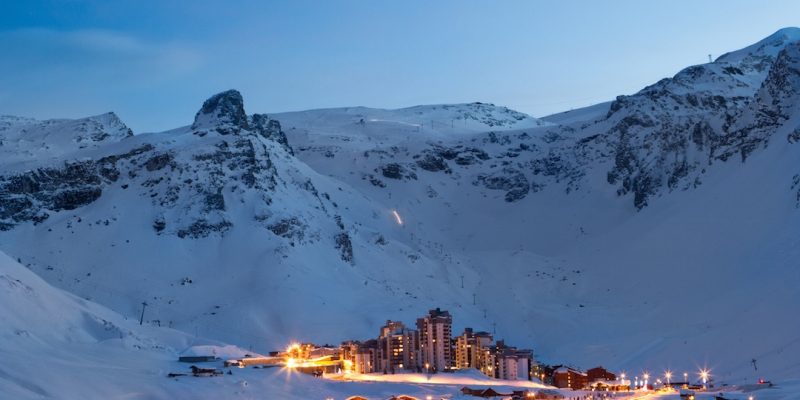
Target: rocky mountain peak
[
  {"x": 766, "y": 48},
  {"x": 222, "y": 113},
  {"x": 778, "y": 96},
  {"x": 111, "y": 123}
]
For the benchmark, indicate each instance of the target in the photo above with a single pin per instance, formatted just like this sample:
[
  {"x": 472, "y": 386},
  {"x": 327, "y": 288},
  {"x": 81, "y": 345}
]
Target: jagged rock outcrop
[
  {"x": 222, "y": 113},
  {"x": 270, "y": 129},
  {"x": 512, "y": 181},
  {"x": 397, "y": 171}
]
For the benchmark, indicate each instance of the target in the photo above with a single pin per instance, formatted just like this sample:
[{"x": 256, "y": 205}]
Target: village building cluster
[{"x": 430, "y": 347}]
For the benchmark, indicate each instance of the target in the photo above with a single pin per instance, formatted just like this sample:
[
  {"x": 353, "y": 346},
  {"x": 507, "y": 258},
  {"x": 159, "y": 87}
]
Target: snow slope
[
  {"x": 56, "y": 345},
  {"x": 656, "y": 231}
]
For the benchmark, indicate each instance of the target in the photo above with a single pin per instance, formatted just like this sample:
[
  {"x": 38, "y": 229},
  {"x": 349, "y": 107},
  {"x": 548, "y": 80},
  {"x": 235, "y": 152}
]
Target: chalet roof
[
  {"x": 488, "y": 392},
  {"x": 564, "y": 370}
]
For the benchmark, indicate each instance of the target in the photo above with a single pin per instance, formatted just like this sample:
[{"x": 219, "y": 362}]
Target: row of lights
[
  {"x": 704, "y": 374},
  {"x": 426, "y": 398}
]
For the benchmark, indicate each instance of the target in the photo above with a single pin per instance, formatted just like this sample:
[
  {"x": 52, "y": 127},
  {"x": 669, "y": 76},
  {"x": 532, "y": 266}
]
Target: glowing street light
[
  {"x": 668, "y": 375},
  {"x": 646, "y": 377},
  {"x": 704, "y": 376}
]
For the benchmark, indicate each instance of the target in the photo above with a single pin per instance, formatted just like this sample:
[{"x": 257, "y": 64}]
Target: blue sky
[{"x": 154, "y": 62}]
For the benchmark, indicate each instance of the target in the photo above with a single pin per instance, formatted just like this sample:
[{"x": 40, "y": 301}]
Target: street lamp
[
  {"x": 646, "y": 377},
  {"x": 668, "y": 375},
  {"x": 686, "y": 378},
  {"x": 704, "y": 377}
]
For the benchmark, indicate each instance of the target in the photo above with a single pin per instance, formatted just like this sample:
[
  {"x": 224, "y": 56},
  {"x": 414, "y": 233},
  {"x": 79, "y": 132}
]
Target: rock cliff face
[
  {"x": 661, "y": 139},
  {"x": 183, "y": 184}
]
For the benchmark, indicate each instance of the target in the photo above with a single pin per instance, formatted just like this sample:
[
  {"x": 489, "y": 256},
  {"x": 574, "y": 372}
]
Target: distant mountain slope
[
  {"x": 657, "y": 231},
  {"x": 428, "y": 121},
  {"x": 25, "y": 139}
]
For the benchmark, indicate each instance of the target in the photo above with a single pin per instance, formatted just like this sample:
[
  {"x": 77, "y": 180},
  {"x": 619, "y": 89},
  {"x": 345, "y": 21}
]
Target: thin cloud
[{"x": 90, "y": 54}]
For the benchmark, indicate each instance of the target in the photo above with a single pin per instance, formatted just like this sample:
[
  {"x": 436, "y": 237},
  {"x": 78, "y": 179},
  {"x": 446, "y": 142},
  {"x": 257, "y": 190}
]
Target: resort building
[
  {"x": 507, "y": 362},
  {"x": 361, "y": 358},
  {"x": 398, "y": 348},
  {"x": 565, "y": 377},
  {"x": 470, "y": 347},
  {"x": 435, "y": 340}
]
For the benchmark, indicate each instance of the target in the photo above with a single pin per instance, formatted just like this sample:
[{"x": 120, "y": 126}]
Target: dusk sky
[{"x": 154, "y": 62}]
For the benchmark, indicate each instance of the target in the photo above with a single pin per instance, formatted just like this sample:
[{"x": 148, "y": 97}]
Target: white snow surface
[
  {"x": 55, "y": 345},
  {"x": 421, "y": 122}
]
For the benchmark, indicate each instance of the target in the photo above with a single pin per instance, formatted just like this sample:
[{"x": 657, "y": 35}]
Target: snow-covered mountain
[
  {"x": 25, "y": 139},
  {"x": 218, "y": 227},
  {"x": 655, "y": 231}
]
